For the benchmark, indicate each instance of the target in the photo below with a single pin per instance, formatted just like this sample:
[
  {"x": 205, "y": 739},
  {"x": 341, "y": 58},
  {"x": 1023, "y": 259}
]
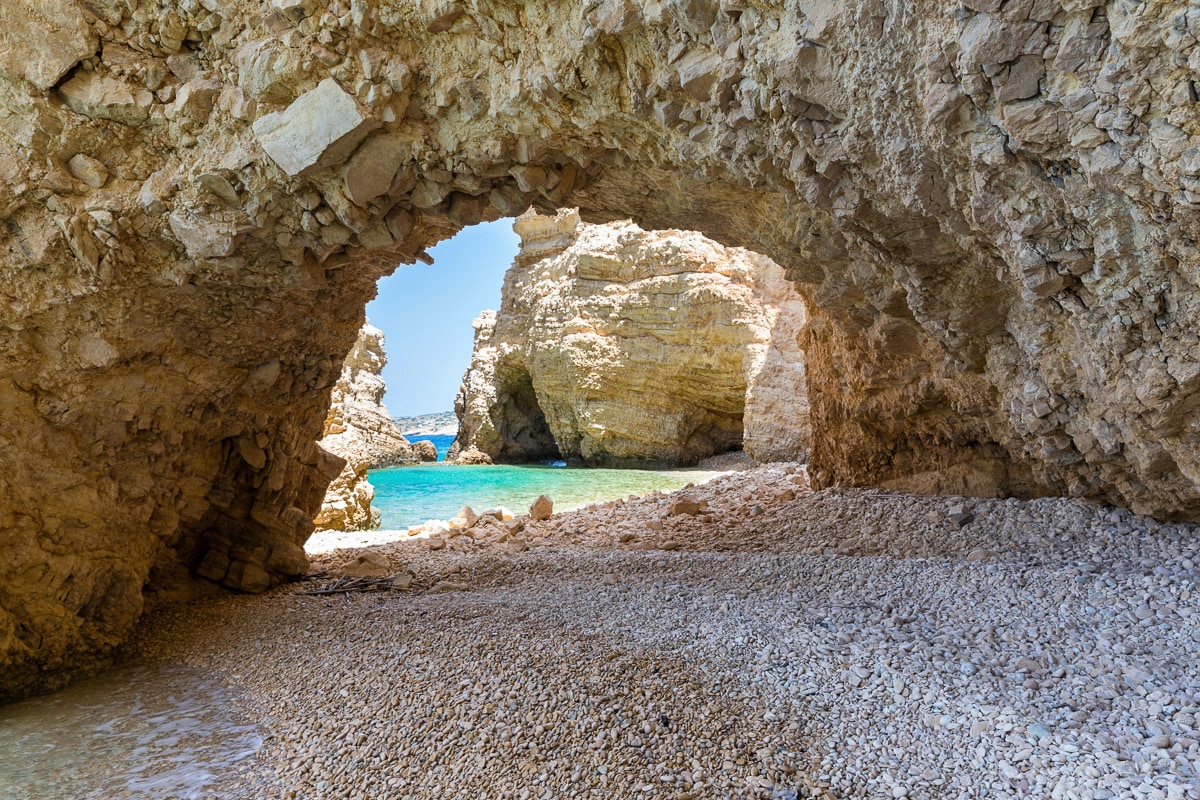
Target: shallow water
[
  {"x": 134, "y": 732},
  {"x": 411, "y": 495}
]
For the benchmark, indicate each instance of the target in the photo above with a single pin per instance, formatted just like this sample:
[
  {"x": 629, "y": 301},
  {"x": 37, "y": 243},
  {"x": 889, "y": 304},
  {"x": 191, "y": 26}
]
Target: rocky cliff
[
  {"x": 990, "y": 208},
  {"x": 616, "y": 346},
  {"x": 358, "y": 427},
  {"x": 359, "y": 430}
]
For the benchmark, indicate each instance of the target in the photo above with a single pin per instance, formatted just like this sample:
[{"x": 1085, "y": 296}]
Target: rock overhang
[{"x": 998, "y": 254}]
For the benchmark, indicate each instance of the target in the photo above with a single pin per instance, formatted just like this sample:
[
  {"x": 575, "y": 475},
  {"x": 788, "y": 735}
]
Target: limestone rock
[
  {"x": 470, "y": 457},
  {"x": 425, "y": 450},
  {"x": 542, "y": 508},
  {"x": 358, "y": 426},
  {"x": 359, "y": 430},
  {"x": 203, "y": 236},
  {"x": 321, "y": 128},
  {"x": 618, "y": 346},
  {"x": 347, "y": 503},
  {"x": 863, "y": 146},
  {"x": 41, "y": 42},
  {"x": 89, "y": 170},
  {"x": 367, "y": 564},
  {"x": 373, "y": 168},
  {"x": 295, "y": 10},
  {"x": 468, "y": 515},
  {"x": 267, "y": 70},
  {"x": 687, "y": 505},
  {"x": 105, "y": 98}
]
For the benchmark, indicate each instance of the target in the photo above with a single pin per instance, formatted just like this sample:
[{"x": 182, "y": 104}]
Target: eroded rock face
[
  {"x": 359, "y": 430},
  {"x": 358, "y": 427},
  {"x": 616, "y": 346},
  {"x": 347, "y": 503},
  {"x": 991, "y": 211}
]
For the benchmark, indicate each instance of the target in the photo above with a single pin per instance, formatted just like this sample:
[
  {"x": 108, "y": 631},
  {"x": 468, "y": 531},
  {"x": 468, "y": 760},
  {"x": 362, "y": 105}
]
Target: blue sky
[{"x": 426, "y": 312}]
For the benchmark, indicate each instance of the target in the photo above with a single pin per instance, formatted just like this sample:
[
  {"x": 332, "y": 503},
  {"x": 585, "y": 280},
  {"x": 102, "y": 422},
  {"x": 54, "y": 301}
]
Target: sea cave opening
[
  {"x": 560, "y": 343},
  {"x": 526, "y": 435}
]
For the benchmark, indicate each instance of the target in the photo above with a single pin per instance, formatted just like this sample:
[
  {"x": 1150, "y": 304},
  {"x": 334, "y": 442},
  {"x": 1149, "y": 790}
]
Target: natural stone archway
[{"x": 992, "y": 213}]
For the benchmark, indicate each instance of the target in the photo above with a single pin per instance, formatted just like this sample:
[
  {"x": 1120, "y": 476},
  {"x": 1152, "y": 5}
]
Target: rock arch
[{"x": 992, "y": 214}]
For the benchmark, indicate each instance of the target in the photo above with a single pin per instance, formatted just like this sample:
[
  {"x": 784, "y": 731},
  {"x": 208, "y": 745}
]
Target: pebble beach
[{"x": 742, "y": 638}]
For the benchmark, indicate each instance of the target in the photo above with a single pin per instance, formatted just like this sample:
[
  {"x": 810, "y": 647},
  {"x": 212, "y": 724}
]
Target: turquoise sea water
[{"x": 412, "y": 495}]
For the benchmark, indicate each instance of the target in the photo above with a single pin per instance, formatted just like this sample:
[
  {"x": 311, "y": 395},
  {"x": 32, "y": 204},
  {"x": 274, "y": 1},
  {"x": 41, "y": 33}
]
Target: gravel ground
[{"x": 779, "y": 643}]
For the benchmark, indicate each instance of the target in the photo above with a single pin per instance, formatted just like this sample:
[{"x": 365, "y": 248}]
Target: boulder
[
  {"x": 89, "y": 170},
  {"x": 322, "y": 127},
  {"x": 467, "y": 514},
  {"x": 367, "y": 564},
  {"x": 542, "y": 508},
  {"x": 686, "y": 505},
  {"x": 425, "y": 450}
]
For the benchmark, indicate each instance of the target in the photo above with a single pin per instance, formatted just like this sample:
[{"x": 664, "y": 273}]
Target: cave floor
[{"x": 782, "y": 643}]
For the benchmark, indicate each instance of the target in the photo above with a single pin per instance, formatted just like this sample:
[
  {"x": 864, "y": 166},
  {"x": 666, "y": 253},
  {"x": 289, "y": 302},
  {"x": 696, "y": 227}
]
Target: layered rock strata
[
  {"x": 359, "y": 430},
  {"x": 991, "y": 209},
  {"x": 616, "y": 346}
]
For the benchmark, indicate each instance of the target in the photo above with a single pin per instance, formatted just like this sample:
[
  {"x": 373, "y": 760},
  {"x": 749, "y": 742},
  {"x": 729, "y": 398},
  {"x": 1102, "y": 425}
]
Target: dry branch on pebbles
[{"x": 838, "y": 644}]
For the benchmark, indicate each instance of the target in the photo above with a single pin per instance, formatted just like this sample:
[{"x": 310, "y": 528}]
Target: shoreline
[
  {"x": 842, "y": 643},
  {"x": 329, "y": 540}
]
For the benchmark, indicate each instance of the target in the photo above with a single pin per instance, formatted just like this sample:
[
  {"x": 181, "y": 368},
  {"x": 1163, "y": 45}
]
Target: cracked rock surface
[{"x": 990, "y": 210}]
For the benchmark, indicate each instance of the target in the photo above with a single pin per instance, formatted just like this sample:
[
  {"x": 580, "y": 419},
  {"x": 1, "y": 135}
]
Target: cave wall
[
  {"x": 990, "y": 209},
  {"x": 506, "y": 423}
]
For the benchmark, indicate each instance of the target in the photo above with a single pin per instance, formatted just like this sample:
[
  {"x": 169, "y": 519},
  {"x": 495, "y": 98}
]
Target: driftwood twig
[{"x": 348, "y": 584}]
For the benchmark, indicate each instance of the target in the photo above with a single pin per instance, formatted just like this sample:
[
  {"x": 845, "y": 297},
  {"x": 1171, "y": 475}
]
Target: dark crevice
[{"x": 527, "y": 435}]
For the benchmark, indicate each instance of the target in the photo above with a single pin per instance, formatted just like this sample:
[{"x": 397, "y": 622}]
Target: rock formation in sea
[
  {"x": 616, "y": 346},
  {"x": 359, "y": 430},
  {"x": 991, "y": 210},
  {"x": 358, "y": 427}
]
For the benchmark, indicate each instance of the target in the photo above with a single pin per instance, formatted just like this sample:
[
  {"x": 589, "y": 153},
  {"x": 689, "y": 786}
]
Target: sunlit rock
[
  {"x": 322, "y": 127},
  {"x": 616, "y": 346},
  {"x": 359, "y": 430},
  {"x": 1002, "y": 284}
]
